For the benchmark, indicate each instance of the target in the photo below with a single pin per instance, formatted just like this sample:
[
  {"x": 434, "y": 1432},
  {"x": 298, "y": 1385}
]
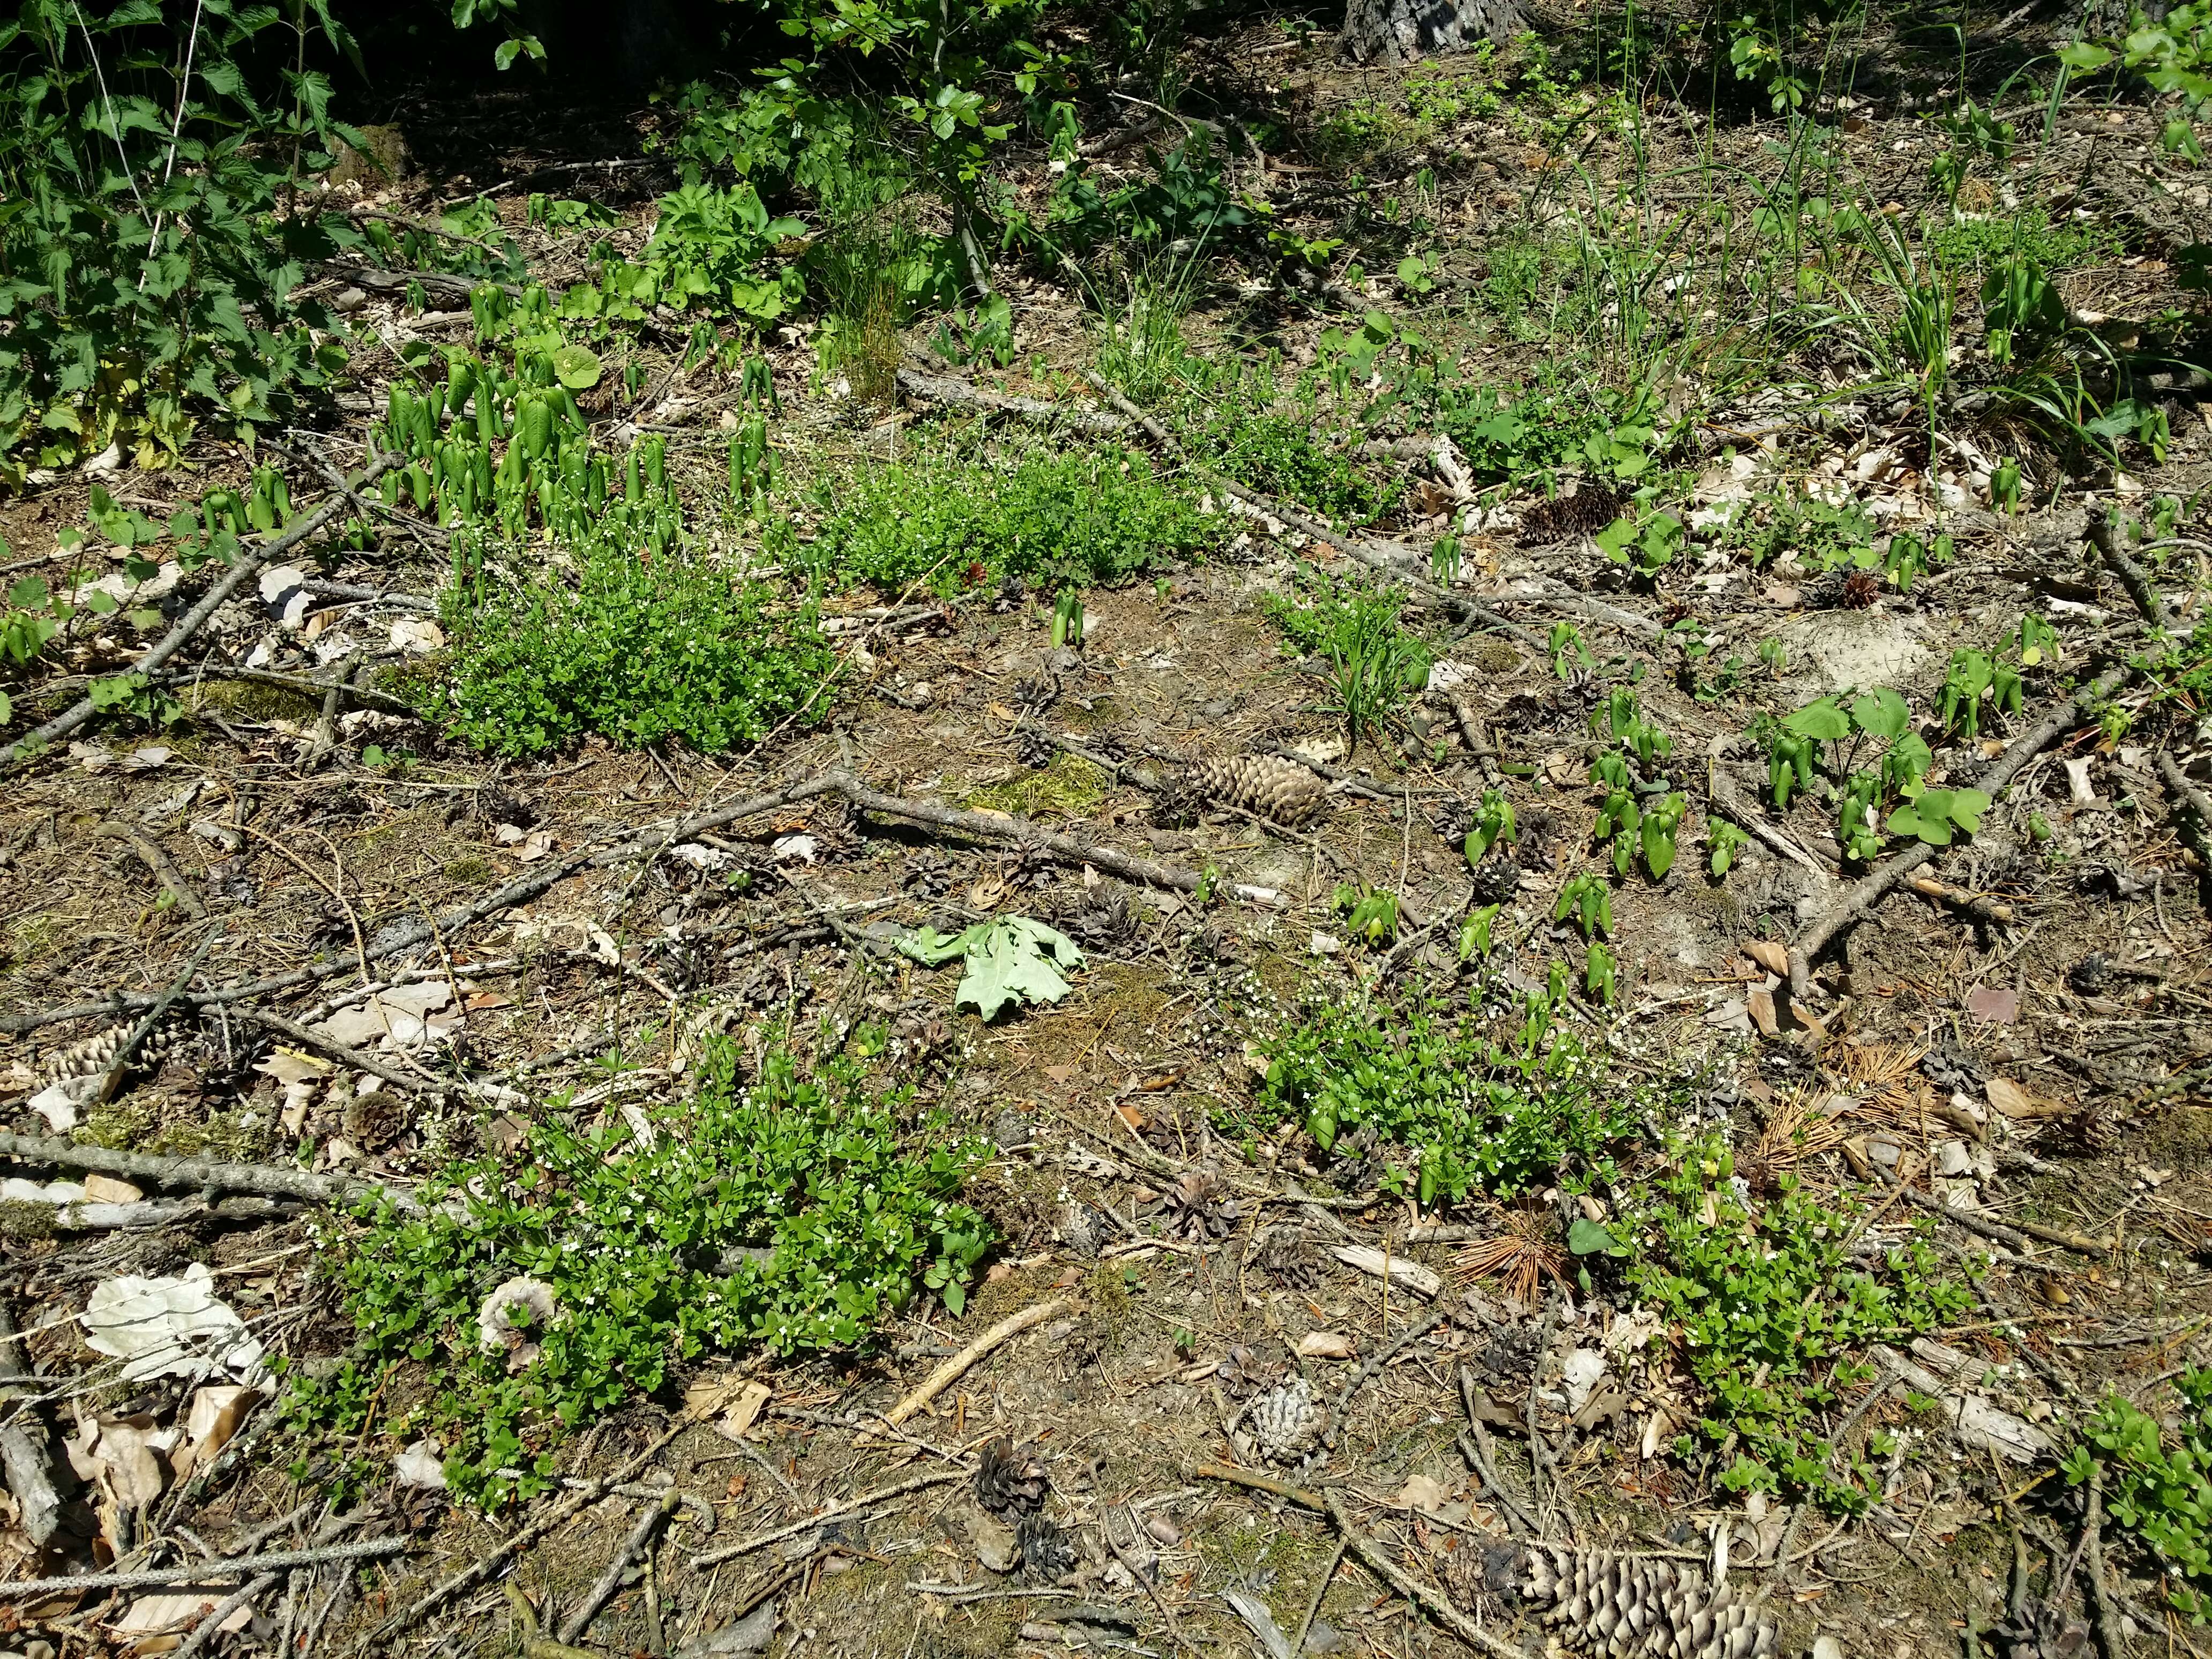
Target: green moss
[
  {"x": 469, "y": 872},
  {"x": 1070, "y": 787}
]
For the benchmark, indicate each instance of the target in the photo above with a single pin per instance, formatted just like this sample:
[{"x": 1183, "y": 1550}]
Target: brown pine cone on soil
[
  {"x": 1633, "y": 1606},
  {"x": 1289, "y": 1260},
  {"x": 1585, "y": 513},
  {"x": 1265, "y": 784},
  {"x": 1008, "y": 1482}
]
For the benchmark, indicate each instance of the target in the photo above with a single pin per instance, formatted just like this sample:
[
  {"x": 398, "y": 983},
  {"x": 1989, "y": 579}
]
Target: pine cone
[
  {"x": 1033, "y": 747},
  {"x": 1195, "y": 1209},
  {"x": 1496, "y": 880},
  {"x": 926, "y": 875},
  {"x": 1631, "y": 1607},
  {"x": 1265, "y": 784},
  {"x": 1035, "y": 697},
  {"x": 376, "y": 1120},
  {"x": 1047, "y": 1551},
  {"x": 1008, "y": 1482},
  {"x": 1083, "y": 1229},
  {"x": 1104, "y": 922},
  {"x": 1585, "y": 513},
  {"x": 1175, "y": 804},
  {"x": 1288, "y": 1260},
  {"x": 1241, "y": 1373},
  {"x": 174, "y": 1038},
  {"x": 1284, "y": 1423}
]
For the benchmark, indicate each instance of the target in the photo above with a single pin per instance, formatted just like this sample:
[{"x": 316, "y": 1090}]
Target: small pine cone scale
[
  {"x": 93, "y": 1056},
  {"x": 1268, "y": 785}
]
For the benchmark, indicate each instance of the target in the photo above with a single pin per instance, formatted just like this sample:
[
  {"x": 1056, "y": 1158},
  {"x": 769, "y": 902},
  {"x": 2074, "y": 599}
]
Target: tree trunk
[{"x": 1400, "y": 31}]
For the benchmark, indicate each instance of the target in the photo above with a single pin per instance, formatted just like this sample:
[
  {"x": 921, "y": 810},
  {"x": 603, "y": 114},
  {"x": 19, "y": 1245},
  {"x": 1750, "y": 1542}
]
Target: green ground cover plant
[
  {"x": 1374, "y": 662},
  {"x": 2159, "y": 1495},
  {"x": 1776, "y": 1312},
  {"x": 786, "y": 1210},
  {"x": 1092, "y": 517},
  {"x": 1473, "y": 1116}
]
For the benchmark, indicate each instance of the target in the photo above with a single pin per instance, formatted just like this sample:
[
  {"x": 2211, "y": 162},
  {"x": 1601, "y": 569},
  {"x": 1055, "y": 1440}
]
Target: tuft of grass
[
  {"x": 1086, "y": 516},
  {"x": 787, "y": 1211},
  {"x": 639, "y": 650},
  {"x": 1374, "y": 663}
]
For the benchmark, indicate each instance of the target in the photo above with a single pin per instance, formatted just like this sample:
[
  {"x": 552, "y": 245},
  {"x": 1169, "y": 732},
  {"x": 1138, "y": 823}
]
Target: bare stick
[
  {"x": 1437, "y": 1316},
  {"x": 957, "y": 1367},
  {"x": 601, "y": 1593},
  {"x": 162, "y": 868},
  {"x": 1021, "y": 832},
  {"x": 2100, "y": 1593},
  {"x": 1870, "y": 891},
  {"x": 338, "y": 1051},
  {"x": 204, "y": 1174},
  {"x": 1372, "y": 1556},
  {"x": 1319, "y": 1595},
  {"x": 882, "y": 1494},
  {"x": 27, "y": 1449},
  {"x": 959, "y": 394},
  {"x": 1266, "y": 1483},
  {"x": 206, "y": 1630},
  {"x": 201, "y": 1572},
  {"x": 250, "y": 561}
]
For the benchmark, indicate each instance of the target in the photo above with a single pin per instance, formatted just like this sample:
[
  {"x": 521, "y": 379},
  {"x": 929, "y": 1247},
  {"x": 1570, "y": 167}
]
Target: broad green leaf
[
  {"x": 1881, "y": 714},
  {"x": 1819, "y": 719},
  {"x": 577, "y": 368}
]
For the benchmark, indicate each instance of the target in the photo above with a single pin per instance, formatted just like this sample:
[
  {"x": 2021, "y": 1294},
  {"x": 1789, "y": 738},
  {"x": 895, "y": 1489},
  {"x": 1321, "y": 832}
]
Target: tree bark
[{"x": 1400, "y": 31}]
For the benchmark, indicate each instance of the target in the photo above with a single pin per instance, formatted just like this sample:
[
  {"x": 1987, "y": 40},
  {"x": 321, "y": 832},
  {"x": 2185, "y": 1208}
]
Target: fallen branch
[
  {"x": 884, "y": 1494},
  {"x": 2178, "y": 780},
  {"x": 1974, "y": 904},
  {"x": 959, "y": 394},
  {"x": 260, "y": 1585},
  {"x": 1258, "y": 1482},
  {"x": 2001, "y": 772},
  {"x": 1721, "y": 798},
  {"x": 1021, "y": 832},
  {"x": 1413, "y": 1333},
  {"x": 161, "y": 866},
  {"x": 26, "y": 1441},
  {"x": 955, "y": 1368},
  {"x": 207, "y": 1572},
  {"x": 249, "y": 562},
  {"x": 1372, "y": 1556},
  {"x": 350, "y": 1057},
  {"x": 603, "y": 1591},
  {"x": 201, "y": 1173},
  {"x": 2015, "y": 1233},
  {"x": 2100, "y": 1591}
]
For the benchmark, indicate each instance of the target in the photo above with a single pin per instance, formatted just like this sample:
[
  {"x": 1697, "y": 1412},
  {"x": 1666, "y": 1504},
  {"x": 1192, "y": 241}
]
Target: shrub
[
  {"x": 791, "y": 1211},
  {"x": 2162, "y": 1498},
  {"x": 637, "y": 649},
  {"x": 1089, "y": 516}
]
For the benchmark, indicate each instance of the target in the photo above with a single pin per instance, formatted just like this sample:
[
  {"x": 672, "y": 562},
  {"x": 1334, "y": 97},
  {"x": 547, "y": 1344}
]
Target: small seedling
[
  {"x": 1443, "y": 561},
  {"x": 1493, "y": 822},
  {"x": 1067, "y": 619},
  {"x": 1369, "y": 915},
  {"x": 1588, "y": 902},
  {"x": 1934, "y": 815},
  {"x": 2005, "y": 485},
  {"x": 1599, "y": 973},
  {"x": 1474, "y": 932},
  {"x": 1659, "y": 826},
  {"x": 1568, "y": 652},
  {"x": 1647, "y": 545},
  {"x": 1725, "y": 841}
]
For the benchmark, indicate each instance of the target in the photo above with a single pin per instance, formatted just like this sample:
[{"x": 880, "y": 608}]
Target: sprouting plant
[
  {"x": 1856, "y": 829},
  {"x": 2160, "y": 1496},
  {"x": 1618, "y": 819},
  {"x": 1474, "y": 932},
  {"x": 1443, "y": 561},
  {"x": 1726, "y": 840},
  {"x": 1588, "y": 902},
  {"x": 1775, "y": 655},
  {"x": 1067, "y": 618},
  {"x": 1599, "y": 972},
  {"x": 1934, "y": 815},
  {"x": 1970, "y": 675},
  {"x": 2005, "y": 484},
  {"x": 1369, "y": 913},
  {"x": 2033, "y": 638},
  {"x": 1649, "y": 543},
  {"x": 1660, "y": 823},
  {"x": 753, "y": 463},
  {"x": 1493, "y": 822},
  {"x": 1621, "y": 719},
  {"x": 1567, "y": 651}
]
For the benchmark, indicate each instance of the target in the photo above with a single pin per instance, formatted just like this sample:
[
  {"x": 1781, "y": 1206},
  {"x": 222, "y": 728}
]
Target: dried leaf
[
  {"x": 1422, "y": 1493},
  {"x": 1769, "y": 955},
  {"x": 1759, "y": 1005},
  {"x": 1993, "y": 1005},
  {"x": 1325, "y": 1345}
]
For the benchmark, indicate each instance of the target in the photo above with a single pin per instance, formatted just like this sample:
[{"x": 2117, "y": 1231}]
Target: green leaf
[
  {"x": 1820, "y": 721},
  {"x": 577, "y": 368},
  {"x": 1881, "y": 714},
  {"x": 2083, "y": 59},
  {"x": 932, "y": 949},
  {"x": 1587, "y": 1237}
]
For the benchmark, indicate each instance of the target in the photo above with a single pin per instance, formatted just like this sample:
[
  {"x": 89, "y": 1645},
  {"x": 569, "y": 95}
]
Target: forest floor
[{"x": 1355, "y": 1205}]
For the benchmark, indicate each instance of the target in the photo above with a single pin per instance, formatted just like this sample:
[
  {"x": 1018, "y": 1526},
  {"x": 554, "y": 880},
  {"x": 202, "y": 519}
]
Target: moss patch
[{"x": 1071, "y": 786}]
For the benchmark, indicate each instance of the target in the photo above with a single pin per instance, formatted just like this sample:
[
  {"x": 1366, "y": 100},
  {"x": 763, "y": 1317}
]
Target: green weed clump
[
  {"x": 787, "y": 1211},
  {"x": 1374, "y": 662},
  {"x": 2161, "y": 1499},
  {"x": 1288, "y": 456},
  {"x": 1089, "y": 516},
  {"x": 637, "y": 650},
  {"x": 1775, "y": 1311},
  {"x": 1474, "y": 1114}
]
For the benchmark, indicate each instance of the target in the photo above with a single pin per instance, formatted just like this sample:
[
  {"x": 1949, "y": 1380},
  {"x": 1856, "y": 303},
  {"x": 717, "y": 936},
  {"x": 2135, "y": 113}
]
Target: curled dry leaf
[
  {"x": 1769, "y": 955},
  {"x": 1327, "y": 1345}
]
